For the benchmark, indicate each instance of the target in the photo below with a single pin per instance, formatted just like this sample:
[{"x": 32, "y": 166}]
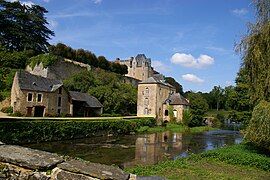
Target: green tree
[
  {"x": 218, "y": 95},
  {"x": 255, "y": 51},
  {"x": 23, "y": 27},
  {"x": 198, "y": 107},
  {"x": 173, "y": 82}
]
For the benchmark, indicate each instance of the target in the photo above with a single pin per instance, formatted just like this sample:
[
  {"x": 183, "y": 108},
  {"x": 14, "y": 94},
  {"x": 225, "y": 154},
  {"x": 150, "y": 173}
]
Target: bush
[
  {"x": 17, "y": 132},
  {"x": 186, "y": 117},
  {"x": 8, "y": 110},
  {"x": 258, "y": 130}
]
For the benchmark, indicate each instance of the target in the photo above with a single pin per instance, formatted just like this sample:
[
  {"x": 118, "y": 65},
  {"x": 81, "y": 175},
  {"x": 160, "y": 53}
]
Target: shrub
[
  {"x": 8, "y": 109},
  {"x": 258, "y": 130},
  {"x": 28, "y": 131},
  {"x": 186, "y": 117}
]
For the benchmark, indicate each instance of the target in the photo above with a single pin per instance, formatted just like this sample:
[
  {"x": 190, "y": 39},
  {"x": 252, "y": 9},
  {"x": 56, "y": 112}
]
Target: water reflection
[{"x": 144, "y": 149}]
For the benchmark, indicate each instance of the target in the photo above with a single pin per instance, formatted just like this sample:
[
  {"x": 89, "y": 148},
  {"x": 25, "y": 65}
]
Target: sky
[{"x": 192, "y": 41}]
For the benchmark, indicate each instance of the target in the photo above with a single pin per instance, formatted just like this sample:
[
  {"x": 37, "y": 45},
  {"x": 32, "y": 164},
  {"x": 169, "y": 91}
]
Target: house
[
  {"x": 155, "y": 96},
  {"x": 33, "y": 95}
]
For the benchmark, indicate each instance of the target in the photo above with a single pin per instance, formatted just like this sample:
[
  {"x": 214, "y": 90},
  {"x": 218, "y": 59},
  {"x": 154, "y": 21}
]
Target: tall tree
[
  {"x": 217, "y": 92},
  {"x": 23, "y": 27},
  {"x": 255, "y": 51}
]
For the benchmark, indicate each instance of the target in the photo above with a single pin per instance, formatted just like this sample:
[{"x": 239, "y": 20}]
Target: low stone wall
[{"x": 18, "y": 162}]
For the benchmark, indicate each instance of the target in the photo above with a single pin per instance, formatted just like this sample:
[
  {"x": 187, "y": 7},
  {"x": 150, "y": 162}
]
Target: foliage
[
  {"x": 198, "y": 107},
  {"x": 45, "y": 59},
  {"x": 116, "y": 96},
  {"x": 258, "y": 130},
  {"x": 223, "y": 163},
  {"x": 23, "y": 27},
  {"x": 217, "y": 93},
  {"x": 255, "y": 51},
  {"x": 14, "y": 60},
  {"x": 171, "y": 114},
  {"x": 186, "y": 117},
  {"x": 6, "y": 80},
  {"x": 174, "y": 83},
  {"x": 16, "y": 132},
  {"x": 87, "y": 57},
  {"x": 8, "y": 110}
]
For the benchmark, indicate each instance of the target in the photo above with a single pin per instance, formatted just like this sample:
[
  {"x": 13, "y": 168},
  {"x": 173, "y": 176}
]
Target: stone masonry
[{"x": 18, "y": 162}]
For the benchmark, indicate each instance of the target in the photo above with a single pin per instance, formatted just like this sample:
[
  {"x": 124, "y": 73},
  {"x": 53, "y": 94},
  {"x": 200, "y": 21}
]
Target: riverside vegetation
[
  {"x": 30, "y": 131},
  {"x": 234, "y": 162}
]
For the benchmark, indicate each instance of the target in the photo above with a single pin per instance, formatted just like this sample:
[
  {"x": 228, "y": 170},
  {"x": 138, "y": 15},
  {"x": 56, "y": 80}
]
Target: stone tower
[{"x": 138, "y": 67}]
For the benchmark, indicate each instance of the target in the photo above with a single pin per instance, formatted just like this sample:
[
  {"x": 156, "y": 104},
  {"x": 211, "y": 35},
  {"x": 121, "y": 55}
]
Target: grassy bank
[
  {"x": 30, "y": 131},
  {"x": 178, "y": 128},
  {"x": 234, "y": 162}
]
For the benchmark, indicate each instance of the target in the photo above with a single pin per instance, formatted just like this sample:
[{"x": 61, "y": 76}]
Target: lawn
[{"x": 234, "y": 162}]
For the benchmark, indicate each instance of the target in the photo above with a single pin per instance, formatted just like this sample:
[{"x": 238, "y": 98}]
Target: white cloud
[
  {"x": 240, "y": 12},
  {"x": 97, "y": 1},
  {"x": 192, "y": 78},
  {"x": 159, "y": 66},
  {"x": 187, "y": 60}
]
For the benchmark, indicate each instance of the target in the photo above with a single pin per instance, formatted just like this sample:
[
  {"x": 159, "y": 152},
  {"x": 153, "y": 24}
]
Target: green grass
[
  {"x": 174, "y": 128},
  {"x": 235, "y": 162}
]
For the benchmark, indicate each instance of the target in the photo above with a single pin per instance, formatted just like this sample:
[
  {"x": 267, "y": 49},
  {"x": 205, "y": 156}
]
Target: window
[
  {"x": 39, "y": 97},
  {"x": 159, "y": 91},
  {"x": 59, "y": 101},
  {"x": 147, "y": 90},
  {"x": 60, "y": 90},
  {"x": 175, "y": 113},
  {"x": 130, "y": 64},
  {"x": 146, "y": 111},
  {"x": 166, "y": 112},
  {"x": 29, "y": 97},
  {"x": 146, "y": 101}
]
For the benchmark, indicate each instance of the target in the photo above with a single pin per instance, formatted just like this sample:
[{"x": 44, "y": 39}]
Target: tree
[
  {"x": 174, "y": 83},
  {"x": 255, "y": 51},
  {"x": 198, "y": 107},
  {"x": 23, "y": 27},
  {"x": 217, "y": 93}
]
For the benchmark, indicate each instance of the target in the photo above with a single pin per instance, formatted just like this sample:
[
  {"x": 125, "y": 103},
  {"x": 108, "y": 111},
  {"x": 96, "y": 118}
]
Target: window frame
[
  {"x": 41, "y": 98},
  {"x": 32, "y": 97}
]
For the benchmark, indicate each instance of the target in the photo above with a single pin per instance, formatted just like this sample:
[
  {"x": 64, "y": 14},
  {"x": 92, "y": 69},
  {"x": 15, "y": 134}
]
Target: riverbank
[
  {"x": 177, "y": 128},
  {"x": 233, "y": 162}
]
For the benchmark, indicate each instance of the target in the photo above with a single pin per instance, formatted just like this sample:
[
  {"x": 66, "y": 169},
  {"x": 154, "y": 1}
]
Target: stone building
[
  {"x": 155, "y": 96},
  {"x": 138, "y": 68},
  {"x": 33, "y": 95}
]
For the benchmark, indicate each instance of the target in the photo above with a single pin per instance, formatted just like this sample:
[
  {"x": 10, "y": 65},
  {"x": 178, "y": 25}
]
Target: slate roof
[
  {"x": 33, "y": 82},
  {"x": 90, "y": 101},
  {"x": 177, "y": 99},
  {"x": 156, "y": 79}
]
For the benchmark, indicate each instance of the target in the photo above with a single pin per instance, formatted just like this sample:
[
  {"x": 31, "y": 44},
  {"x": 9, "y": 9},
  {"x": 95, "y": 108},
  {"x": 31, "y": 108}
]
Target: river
[{"x": 145, "y": 149}]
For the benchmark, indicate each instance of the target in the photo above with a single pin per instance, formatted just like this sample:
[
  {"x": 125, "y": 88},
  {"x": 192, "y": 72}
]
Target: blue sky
[{"x": 190, "y": 40}]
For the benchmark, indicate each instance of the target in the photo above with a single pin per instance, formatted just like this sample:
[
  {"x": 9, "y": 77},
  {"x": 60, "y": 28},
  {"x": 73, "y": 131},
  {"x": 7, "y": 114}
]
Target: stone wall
[
  {"x": 24, "y": 163},
  {"x": 62, "y": 69}
]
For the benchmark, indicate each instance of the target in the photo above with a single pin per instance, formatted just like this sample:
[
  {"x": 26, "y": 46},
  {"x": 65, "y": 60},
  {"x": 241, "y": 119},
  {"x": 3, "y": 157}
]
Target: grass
[
  {"x": 178, "y": 128},
  {"x": 234, "y": 162}
]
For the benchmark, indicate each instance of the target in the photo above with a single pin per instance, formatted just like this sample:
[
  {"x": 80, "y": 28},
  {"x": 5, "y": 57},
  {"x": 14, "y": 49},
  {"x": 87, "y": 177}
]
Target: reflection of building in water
[{"x": 153, "y": 148}]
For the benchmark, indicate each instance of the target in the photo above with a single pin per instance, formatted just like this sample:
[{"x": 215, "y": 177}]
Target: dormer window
[{"x": 29, "y": 97}]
